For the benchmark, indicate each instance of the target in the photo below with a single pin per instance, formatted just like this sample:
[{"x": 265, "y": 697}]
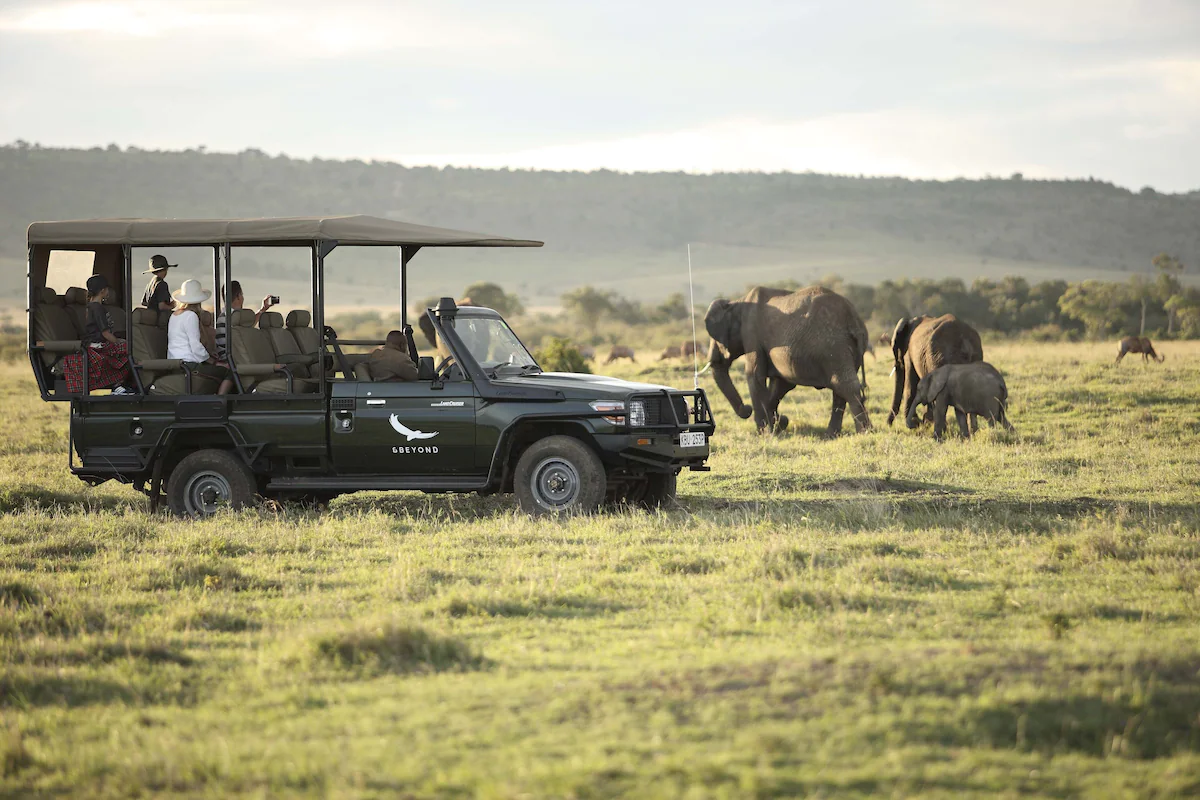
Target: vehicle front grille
[{"x": 658, "y": 413}]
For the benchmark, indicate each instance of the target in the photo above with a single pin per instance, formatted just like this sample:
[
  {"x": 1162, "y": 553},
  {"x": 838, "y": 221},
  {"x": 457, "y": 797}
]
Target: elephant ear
[
  {"x": 937, "y": 384},
  {"x": 900, "y": 337},
  {"x": 724, "y": 325}
]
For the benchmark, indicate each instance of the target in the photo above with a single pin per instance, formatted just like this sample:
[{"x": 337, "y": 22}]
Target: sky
[{"x": 918, "y": 88}]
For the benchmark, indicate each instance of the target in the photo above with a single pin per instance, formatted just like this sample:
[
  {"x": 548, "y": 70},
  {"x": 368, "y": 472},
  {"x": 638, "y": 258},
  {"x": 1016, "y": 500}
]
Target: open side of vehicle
[{"x": 308, "y": 422}]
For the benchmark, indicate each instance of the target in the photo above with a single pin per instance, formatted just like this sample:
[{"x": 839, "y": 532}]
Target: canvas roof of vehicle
[{"x": 353, "y": 230}]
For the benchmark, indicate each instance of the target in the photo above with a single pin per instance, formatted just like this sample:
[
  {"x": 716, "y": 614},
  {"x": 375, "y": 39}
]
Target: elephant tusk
[
  {"x": 706, "y": 366},
  {"x": 893, "y": 372}
]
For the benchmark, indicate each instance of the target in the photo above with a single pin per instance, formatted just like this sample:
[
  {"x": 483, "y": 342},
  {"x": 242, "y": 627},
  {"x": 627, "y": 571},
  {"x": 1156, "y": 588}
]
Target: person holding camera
[{"x": 237, "y": 301}]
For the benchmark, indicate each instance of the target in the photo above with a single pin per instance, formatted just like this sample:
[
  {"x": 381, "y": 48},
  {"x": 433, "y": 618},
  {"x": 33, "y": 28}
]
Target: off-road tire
[
  {"x": 660, "y": 490},
  {"x": 208, "y": 479},
  {"x": 559, "y": 475}
]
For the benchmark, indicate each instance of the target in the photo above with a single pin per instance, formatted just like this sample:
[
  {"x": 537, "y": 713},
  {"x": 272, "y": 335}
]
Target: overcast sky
[{"x": 922, "y": 88}]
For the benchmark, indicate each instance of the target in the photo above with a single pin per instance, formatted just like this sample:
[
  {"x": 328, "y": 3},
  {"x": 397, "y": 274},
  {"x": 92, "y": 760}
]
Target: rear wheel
[
  {"x": 207, "y": 481},
  {"x": 559, "y": 475}
]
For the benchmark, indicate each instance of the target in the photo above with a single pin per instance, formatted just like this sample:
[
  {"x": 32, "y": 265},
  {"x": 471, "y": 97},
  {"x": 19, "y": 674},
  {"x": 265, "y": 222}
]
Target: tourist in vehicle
[
  {"x": 184, "y": 340},
  {"x": 107, "y": 356},
  {"x": 158, "y": 293},
  {"x": 390, "y": 362},
  {"x": 237, "y": 301}
]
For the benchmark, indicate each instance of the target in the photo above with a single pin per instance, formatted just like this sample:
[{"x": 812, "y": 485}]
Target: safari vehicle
[{"x": 306, "y": 422}]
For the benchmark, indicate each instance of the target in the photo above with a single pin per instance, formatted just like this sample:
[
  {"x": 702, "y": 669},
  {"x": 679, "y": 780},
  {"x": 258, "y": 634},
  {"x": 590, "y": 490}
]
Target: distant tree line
[{"x": 1161, "y": 307}]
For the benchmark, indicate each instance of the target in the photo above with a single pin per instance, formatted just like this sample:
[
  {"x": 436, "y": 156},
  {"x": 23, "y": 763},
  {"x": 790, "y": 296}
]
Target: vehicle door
[{"x": 407, "y": 428}]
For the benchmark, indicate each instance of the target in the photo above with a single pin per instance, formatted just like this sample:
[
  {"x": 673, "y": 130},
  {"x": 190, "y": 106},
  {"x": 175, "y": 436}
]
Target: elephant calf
[{"x": 976, "y": 388}]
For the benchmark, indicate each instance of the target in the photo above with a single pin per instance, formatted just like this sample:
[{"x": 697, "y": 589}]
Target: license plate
[{"x": 693, "y": 439}]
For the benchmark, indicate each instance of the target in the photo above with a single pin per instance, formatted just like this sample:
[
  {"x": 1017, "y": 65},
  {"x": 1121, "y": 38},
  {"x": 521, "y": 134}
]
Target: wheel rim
[
  {"x": 206, "y": 492},
  {"x": 555, "y": 483}
]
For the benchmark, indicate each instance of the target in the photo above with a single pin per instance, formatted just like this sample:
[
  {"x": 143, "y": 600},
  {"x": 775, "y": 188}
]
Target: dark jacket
[{"x": 391, "y": 364}]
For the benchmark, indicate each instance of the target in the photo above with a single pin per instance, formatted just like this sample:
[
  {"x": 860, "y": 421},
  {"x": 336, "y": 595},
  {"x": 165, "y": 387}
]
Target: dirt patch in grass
[
  {"x": 17, "y": 594},
  {"x": 94, "y": 653},
  {"x": 698, "y": 565},
  {"x": 394, "y": 648},
  {"x": 541, "y": 605},
  {"x": 206, "y": 574},
  {"x": 216, "y": 621},
  {"x": 884, "y": 486}
]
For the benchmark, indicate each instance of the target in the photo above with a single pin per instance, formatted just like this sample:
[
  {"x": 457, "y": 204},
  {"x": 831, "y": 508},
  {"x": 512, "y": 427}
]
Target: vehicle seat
[
  {"x": 362, "y": 371},
  {"x": 299, "y": 325},
  {"x": 255, "y": 358},
  {"x": 76, "y": 303},
  {"x": 54, "y": 327},
  {"x": 284, "y": 344},
  {"x": 120, "y": 319},
  {"x": 161, "y": 375}
]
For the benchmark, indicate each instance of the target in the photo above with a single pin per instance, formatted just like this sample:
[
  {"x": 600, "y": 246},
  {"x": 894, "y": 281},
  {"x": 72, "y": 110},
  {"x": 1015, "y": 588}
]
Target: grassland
[{"x": 876, "y": 614}]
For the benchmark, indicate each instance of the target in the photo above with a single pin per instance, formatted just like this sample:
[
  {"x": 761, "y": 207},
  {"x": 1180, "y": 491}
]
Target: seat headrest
[
  {"x": 243, "y": 318},
  {"x": 164, "y": 318},
  {"x": 206, "y": 317},
  {"x": 76, "y": 295},
  {"x": 48, "y": 296},
  {"x": 145, "y": 316},
  {"x": 270, "y": 319},
  {"x": 299, "y": 319}
]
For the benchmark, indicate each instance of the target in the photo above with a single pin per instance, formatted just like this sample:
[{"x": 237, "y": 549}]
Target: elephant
[
  {"x": 977, "y": 388},
  {"x": 922, "y": 344},
  {"x": 1137, "y": 344},
  {"x": 809, "y": 337}
]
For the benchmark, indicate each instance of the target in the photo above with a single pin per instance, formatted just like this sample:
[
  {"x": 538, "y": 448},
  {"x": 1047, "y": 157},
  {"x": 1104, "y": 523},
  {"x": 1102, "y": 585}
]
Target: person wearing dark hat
[
  {"x": 104, "y": 356},
  {"x": 99, "y": 326},
  {"x": 158, "y": 293}
]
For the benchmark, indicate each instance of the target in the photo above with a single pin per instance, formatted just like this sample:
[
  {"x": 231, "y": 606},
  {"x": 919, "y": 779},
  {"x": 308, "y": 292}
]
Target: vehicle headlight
[
  {"x": 610, "y": 405},
  {"x": 637, "y": 414}
]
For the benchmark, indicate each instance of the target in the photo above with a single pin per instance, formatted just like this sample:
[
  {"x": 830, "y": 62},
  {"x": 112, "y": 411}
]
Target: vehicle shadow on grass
[{"x": 24, "y": 497}]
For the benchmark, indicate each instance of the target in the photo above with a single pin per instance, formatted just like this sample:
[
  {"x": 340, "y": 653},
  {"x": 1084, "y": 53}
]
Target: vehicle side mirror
[{"x": 425, "y": 370}]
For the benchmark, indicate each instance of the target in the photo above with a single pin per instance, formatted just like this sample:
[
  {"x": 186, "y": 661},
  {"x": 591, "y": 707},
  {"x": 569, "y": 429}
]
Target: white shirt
[{"x": 183, "y": 338}]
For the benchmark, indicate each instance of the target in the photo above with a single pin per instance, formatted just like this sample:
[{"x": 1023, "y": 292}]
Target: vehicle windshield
[{"x": 494, "y": 345}]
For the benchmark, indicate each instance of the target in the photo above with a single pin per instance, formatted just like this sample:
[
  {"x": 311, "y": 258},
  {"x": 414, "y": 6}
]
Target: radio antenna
[{"x": 692, "y": 309}]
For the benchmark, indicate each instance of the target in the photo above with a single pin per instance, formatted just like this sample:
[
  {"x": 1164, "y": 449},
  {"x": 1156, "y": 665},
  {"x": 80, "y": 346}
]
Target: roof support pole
[{"x": 407, "y": 251}]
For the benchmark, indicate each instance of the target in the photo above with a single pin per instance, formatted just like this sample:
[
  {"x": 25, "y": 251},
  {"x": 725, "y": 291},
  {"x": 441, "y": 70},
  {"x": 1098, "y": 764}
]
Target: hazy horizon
[{"x": 922, "y": 89}]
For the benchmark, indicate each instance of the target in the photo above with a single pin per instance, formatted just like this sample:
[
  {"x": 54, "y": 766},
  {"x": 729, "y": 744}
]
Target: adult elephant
[
  {"x": 922, "y": 344},
  {"x": 811, "y": 337}
]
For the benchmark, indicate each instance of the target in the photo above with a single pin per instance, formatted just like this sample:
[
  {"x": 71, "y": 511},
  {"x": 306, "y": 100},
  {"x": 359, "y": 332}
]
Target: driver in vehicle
[{"x": 390, "y": 362}]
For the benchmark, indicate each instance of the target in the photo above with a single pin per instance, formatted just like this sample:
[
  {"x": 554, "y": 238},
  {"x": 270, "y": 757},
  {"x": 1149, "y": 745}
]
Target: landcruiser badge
[
  {"x": 408, "y": 432},
  {"x": 448, "y": 404}
]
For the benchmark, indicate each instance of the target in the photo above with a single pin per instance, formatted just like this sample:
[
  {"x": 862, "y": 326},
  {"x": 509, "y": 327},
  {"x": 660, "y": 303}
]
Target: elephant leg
[
  {"x": 939, "y": 417},
  {"x": 910, "y": 391},
  {"x": 961, "y": 417},
  {"x": 897, "y": 392},
  {"x": 974, "y": 423},
  {"x": 777, "y": 388},
  {"x": 756, "y": 378},
  {"x": 835, "y": 417}
]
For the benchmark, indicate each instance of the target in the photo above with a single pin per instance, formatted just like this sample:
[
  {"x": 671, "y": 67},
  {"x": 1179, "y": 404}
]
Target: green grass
[{"x": 876, "y": 614}]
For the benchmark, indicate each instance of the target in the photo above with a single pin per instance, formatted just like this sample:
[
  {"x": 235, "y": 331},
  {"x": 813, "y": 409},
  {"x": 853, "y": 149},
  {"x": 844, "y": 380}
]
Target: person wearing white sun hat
[{"x": 183, "y": 335}]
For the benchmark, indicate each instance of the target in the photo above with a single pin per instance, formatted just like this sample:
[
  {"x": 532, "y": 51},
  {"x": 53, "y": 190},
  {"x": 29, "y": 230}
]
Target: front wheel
[
  {"x": 559, "y": 475},
  {"x": 207, "y": 481}
]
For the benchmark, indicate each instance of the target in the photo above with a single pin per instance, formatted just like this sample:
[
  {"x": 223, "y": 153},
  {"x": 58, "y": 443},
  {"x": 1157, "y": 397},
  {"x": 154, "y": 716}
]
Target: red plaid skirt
[{"x": 108, "y": 365}]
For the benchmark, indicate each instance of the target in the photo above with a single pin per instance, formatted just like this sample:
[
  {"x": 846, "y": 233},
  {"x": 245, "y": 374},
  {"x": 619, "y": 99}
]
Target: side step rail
[{"x": 352, "y": 483}]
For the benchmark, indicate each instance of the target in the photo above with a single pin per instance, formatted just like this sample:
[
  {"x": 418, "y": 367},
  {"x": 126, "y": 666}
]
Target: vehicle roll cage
[{"x": 321, "y": 235}]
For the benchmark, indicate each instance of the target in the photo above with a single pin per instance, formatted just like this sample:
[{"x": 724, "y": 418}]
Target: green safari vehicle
[{"x": 306, "y": 422}]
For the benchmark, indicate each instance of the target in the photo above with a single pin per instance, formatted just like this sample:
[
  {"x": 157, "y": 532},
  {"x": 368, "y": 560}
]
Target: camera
[{"x": 274, "y": 299}]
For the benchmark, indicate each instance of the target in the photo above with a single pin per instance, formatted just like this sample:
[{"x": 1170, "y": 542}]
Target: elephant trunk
[
  {"x": 911, "y": 419},
  {"x": 1160, "y": 358},
  {"x": 720, "y": 369}
]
